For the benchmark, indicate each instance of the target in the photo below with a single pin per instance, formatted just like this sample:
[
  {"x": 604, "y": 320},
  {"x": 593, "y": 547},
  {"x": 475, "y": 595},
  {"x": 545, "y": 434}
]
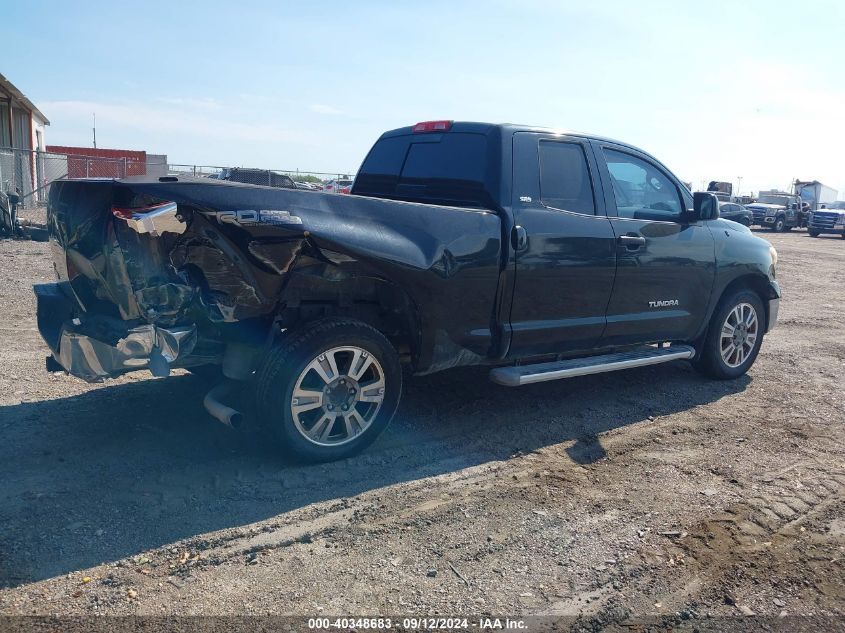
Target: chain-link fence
[
  {"x": 29, "y": 173},
  {"x": 267, "y": 177}
]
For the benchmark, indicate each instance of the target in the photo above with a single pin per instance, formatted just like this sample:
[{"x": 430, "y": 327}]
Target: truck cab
[
  {"x": 829, "y": 218},
  {"x": 778, "y": 211}
]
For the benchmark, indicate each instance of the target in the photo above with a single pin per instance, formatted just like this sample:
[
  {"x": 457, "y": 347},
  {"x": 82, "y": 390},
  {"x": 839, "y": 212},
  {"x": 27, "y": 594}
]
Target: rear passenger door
[
  {"x": 666, "y": 261},
  {"x": 564, "y": 245}
]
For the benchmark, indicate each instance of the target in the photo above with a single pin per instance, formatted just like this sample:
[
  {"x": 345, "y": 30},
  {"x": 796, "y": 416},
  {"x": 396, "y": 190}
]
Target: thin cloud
[
  {"x": 171, "y": 117},
  {"x": 320, "y": 108}
]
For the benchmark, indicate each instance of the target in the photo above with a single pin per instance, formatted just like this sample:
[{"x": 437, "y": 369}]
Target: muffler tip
[{"x": 227, "y": 415}]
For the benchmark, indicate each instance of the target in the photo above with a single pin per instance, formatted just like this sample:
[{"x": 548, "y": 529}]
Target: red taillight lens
[
  {"x": 432, "y": 126},
  {"x": 127, "y": 214}
]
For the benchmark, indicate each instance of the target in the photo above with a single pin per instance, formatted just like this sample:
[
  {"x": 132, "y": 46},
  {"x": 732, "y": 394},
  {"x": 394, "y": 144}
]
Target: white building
[
  {"x": 22, "y": 128},
  {"x": 22, "y": 125}
]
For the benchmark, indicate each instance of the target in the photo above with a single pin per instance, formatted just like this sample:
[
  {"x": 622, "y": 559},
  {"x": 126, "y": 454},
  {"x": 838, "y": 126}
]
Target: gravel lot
[{"x": 649, "y": 492}]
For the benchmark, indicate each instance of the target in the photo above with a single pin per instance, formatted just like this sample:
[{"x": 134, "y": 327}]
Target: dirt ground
[{"x": 647, "y": 492}]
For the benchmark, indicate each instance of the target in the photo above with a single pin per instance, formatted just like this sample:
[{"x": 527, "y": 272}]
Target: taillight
[
  {"x": 432, "y": 126},
  {"x": 127, "y": 214},
  {"x": 155, "y": 219}
]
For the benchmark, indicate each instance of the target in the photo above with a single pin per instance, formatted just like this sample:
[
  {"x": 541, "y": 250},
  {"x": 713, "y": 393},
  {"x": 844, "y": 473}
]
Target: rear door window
[{"x": 565, "y": 178}]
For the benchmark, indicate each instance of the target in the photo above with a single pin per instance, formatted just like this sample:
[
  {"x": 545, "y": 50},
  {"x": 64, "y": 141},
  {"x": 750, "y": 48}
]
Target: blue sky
[{"x": 715, "y": 90}]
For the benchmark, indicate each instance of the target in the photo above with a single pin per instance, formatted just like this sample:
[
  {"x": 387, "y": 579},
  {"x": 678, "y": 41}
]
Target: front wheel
[
  {"x": 734, "y": 337},
  {"x": 779, "y": 225},
  {"x": 326, "y": 391},
  {"x": 813, "y": 233}
]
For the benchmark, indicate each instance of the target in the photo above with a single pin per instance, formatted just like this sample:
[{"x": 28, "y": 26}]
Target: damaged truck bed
[
  {"x": 464, "y": 243},
  {"x": 172, "y": 273}
]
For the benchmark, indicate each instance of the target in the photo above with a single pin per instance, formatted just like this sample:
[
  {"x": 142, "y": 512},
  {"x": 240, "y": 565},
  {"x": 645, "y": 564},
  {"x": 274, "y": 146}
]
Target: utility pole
[
  {"x": 95, "y": 130},
  {"x": 739, "y": 186}
]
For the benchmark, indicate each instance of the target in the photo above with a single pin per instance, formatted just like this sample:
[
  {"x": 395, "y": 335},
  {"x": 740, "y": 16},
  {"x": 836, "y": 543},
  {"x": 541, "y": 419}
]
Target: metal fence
[
  {"x": 256, "y": 176},
  {"x": 29, "y": 173}
]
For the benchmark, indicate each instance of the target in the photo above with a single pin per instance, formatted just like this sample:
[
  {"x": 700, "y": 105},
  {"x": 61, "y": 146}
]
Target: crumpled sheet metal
[
  {"x": 158, "y": 220},
  {"x": 143, "y": 347}
]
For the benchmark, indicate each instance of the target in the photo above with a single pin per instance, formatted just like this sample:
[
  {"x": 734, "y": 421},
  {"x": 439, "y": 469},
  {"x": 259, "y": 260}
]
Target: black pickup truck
[{"x": 539, "y": 253}]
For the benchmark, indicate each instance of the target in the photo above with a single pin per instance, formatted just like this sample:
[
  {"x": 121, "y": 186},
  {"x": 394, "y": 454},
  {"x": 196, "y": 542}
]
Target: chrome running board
[{"x": 526, "y": 374}]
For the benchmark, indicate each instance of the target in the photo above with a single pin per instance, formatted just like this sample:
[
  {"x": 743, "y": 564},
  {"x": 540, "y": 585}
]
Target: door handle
[
  {"x": 631, "y": 241},
  {"x": 519, "y": 238}
]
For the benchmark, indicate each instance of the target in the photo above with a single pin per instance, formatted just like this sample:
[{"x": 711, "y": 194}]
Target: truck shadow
[{"x": 123, "y": 469}]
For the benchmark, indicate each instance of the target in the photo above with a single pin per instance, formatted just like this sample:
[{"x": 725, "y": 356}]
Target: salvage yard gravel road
[{"x": 650, "y": 492}]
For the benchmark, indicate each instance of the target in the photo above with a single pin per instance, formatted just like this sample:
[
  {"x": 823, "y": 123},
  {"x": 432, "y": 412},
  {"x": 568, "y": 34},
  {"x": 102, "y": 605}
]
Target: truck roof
[{"x": 479, "y": 127}]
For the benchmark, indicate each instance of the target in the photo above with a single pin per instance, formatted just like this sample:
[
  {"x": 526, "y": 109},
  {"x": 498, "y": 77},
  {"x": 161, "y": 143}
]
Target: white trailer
[{"x": 815, "y": 193}]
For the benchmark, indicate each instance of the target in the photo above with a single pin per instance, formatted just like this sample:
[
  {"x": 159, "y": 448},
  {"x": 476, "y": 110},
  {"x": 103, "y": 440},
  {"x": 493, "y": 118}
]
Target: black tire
[
  {"x": 779, "y": 225},
  {"x": 285, "y": 364},
  {"x": 813, "y": 233},
  {"x": 708, "y": 359},
  {"x": 745, "y": 222}
]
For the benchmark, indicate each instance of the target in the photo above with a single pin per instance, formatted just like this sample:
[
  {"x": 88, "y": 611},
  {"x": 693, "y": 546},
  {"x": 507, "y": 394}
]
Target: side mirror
[{"x": 705, "y": 206}]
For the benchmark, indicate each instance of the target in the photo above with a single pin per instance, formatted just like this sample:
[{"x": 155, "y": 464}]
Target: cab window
[
  {"x": 564, "y": 178},
  {"x": 641, "y": 190}
]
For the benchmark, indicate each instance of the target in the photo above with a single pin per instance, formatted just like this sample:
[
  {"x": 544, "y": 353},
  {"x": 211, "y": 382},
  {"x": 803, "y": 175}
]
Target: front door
[
  {"x": 666, "y": 263},
  {"x": 565, "y": 247}
]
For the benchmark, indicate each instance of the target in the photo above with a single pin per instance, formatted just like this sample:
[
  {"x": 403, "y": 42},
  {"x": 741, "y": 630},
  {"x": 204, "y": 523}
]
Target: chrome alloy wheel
[
  {"x": 739, "y": 334},
  {"x": 337, "y": 396}
]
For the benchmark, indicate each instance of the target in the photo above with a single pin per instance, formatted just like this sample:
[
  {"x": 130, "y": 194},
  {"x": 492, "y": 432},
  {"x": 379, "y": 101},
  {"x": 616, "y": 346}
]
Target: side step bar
[{"x": 527, "y": 374}]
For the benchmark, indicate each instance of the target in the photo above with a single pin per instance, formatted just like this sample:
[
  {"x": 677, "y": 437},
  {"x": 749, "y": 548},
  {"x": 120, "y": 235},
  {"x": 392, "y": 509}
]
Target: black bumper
[{"x": 55, "y": 306}]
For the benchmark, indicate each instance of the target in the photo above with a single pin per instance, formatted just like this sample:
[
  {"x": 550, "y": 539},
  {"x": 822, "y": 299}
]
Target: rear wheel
[
  {"x": 328, "y": 390},
  {"x": 734, "y": 337},
  {"x": 813, "y": 233}
]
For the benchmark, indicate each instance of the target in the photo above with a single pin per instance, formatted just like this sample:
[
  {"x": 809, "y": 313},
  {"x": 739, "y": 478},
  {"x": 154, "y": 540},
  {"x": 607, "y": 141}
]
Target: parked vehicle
[
  {"x": 539, "y": 254},
  {"x": 341, "y": 185},
  {"x": 263, "y": 177},
  {"x": 778, "y": 210},
  {"x": 830, "y": 218},
  {"x": 722, "y": 190},
  {"x": 301, "y": 184},
  {"x": 736, "y": 213},
  {"x": 814, "y": 194}
]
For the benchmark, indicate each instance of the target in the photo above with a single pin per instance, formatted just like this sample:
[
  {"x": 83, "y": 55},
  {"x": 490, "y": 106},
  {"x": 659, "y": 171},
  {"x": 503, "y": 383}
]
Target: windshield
[{"x": 781, "y": 200}]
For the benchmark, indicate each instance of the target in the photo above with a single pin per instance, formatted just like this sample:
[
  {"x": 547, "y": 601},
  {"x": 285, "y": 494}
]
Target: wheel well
[
  {"x": 756, "y": 283},
  {"x": 371, "y": 300}
]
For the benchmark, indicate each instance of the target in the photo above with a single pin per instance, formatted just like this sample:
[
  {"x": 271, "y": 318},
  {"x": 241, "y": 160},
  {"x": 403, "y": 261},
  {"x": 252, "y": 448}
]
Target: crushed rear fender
[{"x": 220, "y": 257}]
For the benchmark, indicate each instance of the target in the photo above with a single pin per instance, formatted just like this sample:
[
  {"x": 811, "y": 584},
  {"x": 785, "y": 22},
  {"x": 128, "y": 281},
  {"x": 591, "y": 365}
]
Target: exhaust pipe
[{"x": 227, "y": 415}]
